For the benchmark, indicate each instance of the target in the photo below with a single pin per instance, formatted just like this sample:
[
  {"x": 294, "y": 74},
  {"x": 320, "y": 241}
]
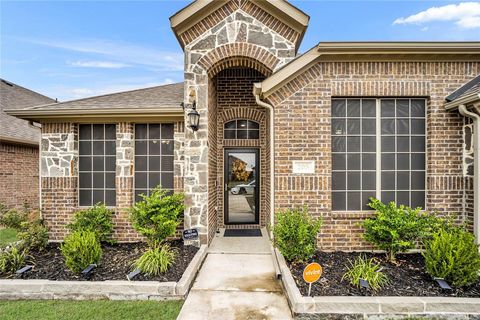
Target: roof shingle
[
  {"x": 473, "y": 86},
  {"x": 170, "y": 95},
  {"x": 13, "y": 96}
]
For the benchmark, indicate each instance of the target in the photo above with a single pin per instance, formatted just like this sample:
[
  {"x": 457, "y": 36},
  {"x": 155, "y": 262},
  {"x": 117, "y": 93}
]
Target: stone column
[
  {"x": 124, "y": 182},
  {"x": 59, "y": 176},
  {"x": 196, "y": 158}
]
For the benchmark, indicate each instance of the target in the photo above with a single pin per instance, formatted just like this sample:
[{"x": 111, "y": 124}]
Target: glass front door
[{"x": 241, "y": 186}]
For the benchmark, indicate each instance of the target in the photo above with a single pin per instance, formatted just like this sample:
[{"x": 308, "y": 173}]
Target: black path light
[
  {"x": 443, "y": 284},
  {"x": 193, "y": 117},
  {"x": 364, "y": 284},
  {"x": 87, "y": 272},
  {"x": 24, "y": 269},
  {"x": 133, "y": 274}
]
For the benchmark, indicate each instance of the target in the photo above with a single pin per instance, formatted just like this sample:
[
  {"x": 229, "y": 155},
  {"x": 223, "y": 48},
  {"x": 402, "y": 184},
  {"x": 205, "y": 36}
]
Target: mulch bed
[
  {"x": 406, "y": 278},
  {"x": 115, "y": 264}
]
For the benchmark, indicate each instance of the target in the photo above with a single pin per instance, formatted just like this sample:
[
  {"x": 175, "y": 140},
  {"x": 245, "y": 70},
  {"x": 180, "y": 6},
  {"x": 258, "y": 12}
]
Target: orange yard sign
[{"x": 312, "y": 272}]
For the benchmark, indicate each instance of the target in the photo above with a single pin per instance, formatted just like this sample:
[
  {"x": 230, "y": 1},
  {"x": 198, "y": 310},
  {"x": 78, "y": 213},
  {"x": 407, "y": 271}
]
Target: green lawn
[
  {"x": 81, "y": 310},
  {"x": 7, "y": 236}
]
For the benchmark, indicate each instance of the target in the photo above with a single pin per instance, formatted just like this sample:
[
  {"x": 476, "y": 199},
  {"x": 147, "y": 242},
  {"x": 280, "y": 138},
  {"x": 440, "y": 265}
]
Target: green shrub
[
  {"x": 367, "y": 269},
  {"x": 156, "y": 260},
  {"x": 157, "y": 216},
  {"x": 394, "y": 228},
  {"x": 34, "y": 235},
  {"x": 80, "y": 249},
  {"x": 3, "y": 208},
  {"x": 453, "y": 256},
  {"x": 13, "y": 218},
  {"x": 97, "y": 219},
  {"x": 12, "y": 259},
  {"x": 295, "y": 234}
]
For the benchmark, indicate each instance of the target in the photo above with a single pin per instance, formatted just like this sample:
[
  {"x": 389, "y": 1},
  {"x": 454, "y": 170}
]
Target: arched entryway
[{"x": 239, "y": 160}]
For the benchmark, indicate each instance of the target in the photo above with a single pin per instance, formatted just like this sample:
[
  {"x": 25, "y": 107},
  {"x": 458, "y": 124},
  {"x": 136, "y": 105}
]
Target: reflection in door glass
[{"x": 241, "y": 187}]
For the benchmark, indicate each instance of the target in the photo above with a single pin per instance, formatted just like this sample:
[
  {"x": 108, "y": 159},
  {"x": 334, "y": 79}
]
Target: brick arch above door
[
  {"x": 242, "y": 113},
  {"x": 239, "y": 62},
  {"x": 238, "y": 55}
]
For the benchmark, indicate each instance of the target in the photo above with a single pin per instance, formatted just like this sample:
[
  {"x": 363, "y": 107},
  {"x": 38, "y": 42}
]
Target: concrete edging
[
  {"x": 372, "y": 305},
  {"x": 16, "y": 289}
]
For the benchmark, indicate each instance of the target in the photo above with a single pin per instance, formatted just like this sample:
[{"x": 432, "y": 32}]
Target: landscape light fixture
[
  {"x": 443, "y": 284},
  {"x": 133, "y": 274},
  {"x": 24, "y": 269}
]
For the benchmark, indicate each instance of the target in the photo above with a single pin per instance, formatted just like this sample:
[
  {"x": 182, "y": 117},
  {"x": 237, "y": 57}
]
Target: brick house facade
[
  {"x": 19, "y": 178},
  {"x": 242, "y": 72}
]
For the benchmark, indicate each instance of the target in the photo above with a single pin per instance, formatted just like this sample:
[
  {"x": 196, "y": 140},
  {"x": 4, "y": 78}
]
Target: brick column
[
  {"x": 59, "y": 176},
  {"x": 124, "y": 183}
]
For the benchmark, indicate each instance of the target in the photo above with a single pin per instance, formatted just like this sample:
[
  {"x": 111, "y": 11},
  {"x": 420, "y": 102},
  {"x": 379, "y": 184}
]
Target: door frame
[{"x": 257, "y": 183}]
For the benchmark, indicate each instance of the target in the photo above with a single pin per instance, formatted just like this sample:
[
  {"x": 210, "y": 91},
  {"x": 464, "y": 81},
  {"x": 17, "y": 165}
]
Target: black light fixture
[{"x": 193, "y": 117}]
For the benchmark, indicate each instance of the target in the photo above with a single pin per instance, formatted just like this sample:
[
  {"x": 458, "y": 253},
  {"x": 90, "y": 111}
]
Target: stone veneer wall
[
  {"x": 245, "y": 36},
  {"x": 124, "y": 181},
  {"x": 303, "y": 106},
  {"x": 19, "y": 183},
  {"x": 59, "y": 169},
  {"x": 59, "y": 176}
]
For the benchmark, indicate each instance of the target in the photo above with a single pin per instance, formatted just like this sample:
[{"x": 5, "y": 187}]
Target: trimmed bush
[
  {"x": 157, "y": 216},
  {"x": 13, "y": 218},
  {"x": 97, "y": 219},
  {"x": 453, "y": 256},
  {"x": 295, "y": 234},
  {"x": 394, "y": 228},
  {"x": 367, "y": 269},
  {"x": 156, "y": 260},
  {"x": 12, "y": 259},
  {"x": 80, "y": 249},
  {"x": 33, "y": 235}
]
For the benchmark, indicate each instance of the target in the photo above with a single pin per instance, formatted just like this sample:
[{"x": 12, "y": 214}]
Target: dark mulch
[
  {"x": 406, "y": 278},
  {"x": 116, "y": 263}
]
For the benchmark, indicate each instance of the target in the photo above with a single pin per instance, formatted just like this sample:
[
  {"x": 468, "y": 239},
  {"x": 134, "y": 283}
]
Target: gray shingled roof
[
  {"x": 170, "y": 95},
  {"x": 470, "y": 87},
  {"x": 13, "y": 96}
]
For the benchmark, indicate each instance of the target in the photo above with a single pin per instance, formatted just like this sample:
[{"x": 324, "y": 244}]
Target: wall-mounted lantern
[{"x": 193, "y": 117}]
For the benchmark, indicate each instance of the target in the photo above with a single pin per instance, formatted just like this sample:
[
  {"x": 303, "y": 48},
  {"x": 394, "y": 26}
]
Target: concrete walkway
[{"x": 237, "y": 281}]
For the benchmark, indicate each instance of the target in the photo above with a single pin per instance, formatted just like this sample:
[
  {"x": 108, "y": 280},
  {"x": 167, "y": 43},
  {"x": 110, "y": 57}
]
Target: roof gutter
[
  {"x": 468, "y": 99},
  {"x": 476, "y": 167},
  {"x": 35, "y": 114},
  {"x": 257, "y": 89},
  {"x": 19, "y": 141}
]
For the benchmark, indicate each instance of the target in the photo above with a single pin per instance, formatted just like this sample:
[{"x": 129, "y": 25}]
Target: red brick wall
[
  {"x": 18, "y": 175},
  {"x": 213, "y": 187},
  {"x": 59, "y": 202},
  {"x": 235, "y": 100},
  {"x": 302, "y": 124}
]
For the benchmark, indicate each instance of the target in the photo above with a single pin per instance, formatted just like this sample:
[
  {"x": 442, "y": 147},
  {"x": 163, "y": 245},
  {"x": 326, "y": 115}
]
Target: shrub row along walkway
[{"x": 237, "y": 281}]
